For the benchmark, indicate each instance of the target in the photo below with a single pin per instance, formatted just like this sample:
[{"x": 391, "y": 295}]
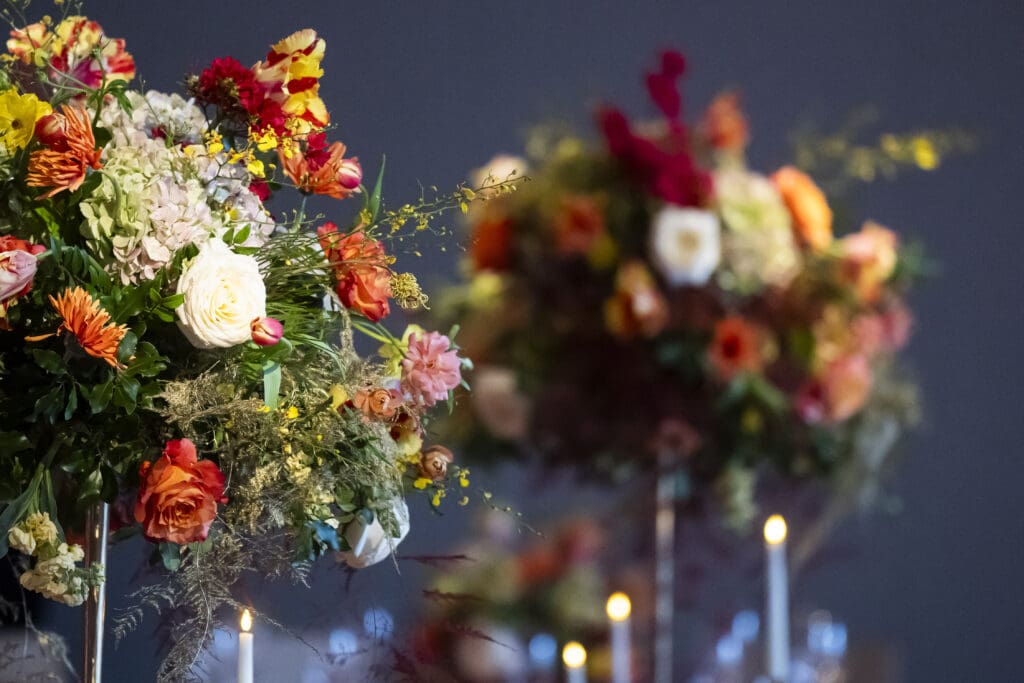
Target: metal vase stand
[{"x": 97, "y": 524}]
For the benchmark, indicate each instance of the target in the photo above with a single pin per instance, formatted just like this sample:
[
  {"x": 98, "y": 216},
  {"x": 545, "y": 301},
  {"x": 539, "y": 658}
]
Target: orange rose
[
  {"x": 812, "y": 217},
  {"x": 360, "y": 266},
  {"x": 366, "y": 290},
  {"x": 178, "y": 495},
  {"x": 868, "y": 259}
]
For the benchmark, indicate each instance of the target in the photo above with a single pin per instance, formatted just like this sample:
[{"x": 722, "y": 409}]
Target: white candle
[
  {"x": 574, "y": 656},
  {"x": 245, "y": 649},
  {"x": 777, "y": 603},
  {"x": 618, "y": 609}
]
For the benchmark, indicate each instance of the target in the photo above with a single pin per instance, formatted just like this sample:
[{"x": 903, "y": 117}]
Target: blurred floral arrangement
[
  {"x": 651, "y": 295},
  {"x": 171, "y": 346},
  {"x": 497, "y": 595}
]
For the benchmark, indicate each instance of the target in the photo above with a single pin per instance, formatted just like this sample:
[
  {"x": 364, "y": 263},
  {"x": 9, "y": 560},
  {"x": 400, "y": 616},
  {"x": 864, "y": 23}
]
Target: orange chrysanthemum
[
  {"x": 84, "y": 318},
  {"x": 71, "y": 151}
]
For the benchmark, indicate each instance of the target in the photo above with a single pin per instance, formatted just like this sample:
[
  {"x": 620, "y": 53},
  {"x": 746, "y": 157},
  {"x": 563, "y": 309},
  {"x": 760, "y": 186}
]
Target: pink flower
[
  {"x": 430, "y": 368},
  {"x": 18, "y": 266},
  {"x": 267, "y": 331}
]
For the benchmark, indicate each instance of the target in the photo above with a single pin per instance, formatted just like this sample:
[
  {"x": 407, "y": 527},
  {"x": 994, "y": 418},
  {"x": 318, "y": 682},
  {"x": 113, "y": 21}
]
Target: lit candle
[
  {"x": 245, "y": 649},
  {"x": 574, "y": 656},
  {"x": 618, "y": 609},
  {"x": 777, "y": 604}
]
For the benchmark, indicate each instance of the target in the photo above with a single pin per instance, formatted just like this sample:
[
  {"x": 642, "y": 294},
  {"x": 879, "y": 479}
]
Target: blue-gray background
[{"x": 440, "y": 87}]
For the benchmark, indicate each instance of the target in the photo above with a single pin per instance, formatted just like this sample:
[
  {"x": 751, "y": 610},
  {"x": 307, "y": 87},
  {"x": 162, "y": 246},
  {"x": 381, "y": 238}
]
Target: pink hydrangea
[{"x": 430, "y": 368}]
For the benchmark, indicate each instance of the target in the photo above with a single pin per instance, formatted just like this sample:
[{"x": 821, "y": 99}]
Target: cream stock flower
[{"x": 224, "y": 293}]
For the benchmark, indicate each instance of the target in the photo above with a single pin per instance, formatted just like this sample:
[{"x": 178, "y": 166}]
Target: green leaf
[
  {"x": 373, "y": 203},
  {"x": 90, "y": 490},
  {"x": 50, "y": 361},
  {"x": 50, "y": 404},
  {"x": 72, "y": 405},
  {"x": 13, "y": 442},
  {"x": 271, "y": 384},
  {"x": 126, "y": 349},
  {"x": 243, "y": 234},
  {"x": 108, "y": 490},
  {"x": 173, "y": 301},
  {"x": 170, "y": 554},
  {"x": 100, "y": 396}
]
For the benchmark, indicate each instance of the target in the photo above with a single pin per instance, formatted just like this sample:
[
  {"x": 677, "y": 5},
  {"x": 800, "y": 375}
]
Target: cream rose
[
  {"x": 685, "y": 245},
  {"x": 224, "y": 293}
]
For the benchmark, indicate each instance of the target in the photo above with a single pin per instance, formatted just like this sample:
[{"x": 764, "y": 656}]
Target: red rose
[{"x": 178, "y": 495}]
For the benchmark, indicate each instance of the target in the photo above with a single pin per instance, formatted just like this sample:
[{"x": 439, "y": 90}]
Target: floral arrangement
[
  {"x": 499, "y": 593},
  {"x": 653, "y": 296},
  {"x": 173, "y": 344}
]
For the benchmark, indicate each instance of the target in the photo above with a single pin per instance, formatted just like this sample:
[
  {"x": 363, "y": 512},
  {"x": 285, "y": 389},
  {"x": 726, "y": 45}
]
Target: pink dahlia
[{"x": 430, "y": 368}]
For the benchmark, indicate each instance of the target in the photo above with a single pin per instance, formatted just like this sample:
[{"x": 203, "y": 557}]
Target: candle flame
[
  {"x": 618, "y": 607},
  {"x": 574, "y": 655},
  {"x": 246, "y": 621},
  {"x": 775, "y": 530}
]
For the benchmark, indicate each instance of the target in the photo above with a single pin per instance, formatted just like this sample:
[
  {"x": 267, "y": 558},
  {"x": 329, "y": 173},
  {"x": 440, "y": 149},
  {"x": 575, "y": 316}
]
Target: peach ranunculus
[
  {"x": 724, "y": 125},
  {"x": 637, "y": 308},
  {"x": 838, "y": 393},
  {"x": 578, "y": 225},
  {"x": 178, "y": 495},
  {"x": 867, "y": 259},
  {"x": 812, "y": 217},
  {"x": 377, "y": 403},
  {"x": 360, "y": 269},
  {"x": 736, "y": 347},
  {"x": 322, "y": 169}
]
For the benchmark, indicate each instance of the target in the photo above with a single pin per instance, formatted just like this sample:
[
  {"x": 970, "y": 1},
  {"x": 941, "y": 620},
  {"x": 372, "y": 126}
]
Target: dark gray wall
[{"x": 439, "y": 87}]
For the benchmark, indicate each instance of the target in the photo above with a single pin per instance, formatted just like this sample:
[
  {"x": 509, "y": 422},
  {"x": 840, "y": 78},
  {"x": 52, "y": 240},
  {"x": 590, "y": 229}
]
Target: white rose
[
  {"x": 224, "y": 293},
  {"x": 370, "y": 543},
  {"x": 685, "y": 245}
]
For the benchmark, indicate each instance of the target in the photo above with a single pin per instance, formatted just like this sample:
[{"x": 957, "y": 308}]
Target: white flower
[
  {"x": 154, "y": 115},
  {"x": 224, "y": 293},
  {"x": 21, "y": 540},
  {"x": 758, "y": 244},
  {"x": 370, "y": 543},
  {"x": 499, "y": 169},
  {"x": 685, "y": 245}
]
